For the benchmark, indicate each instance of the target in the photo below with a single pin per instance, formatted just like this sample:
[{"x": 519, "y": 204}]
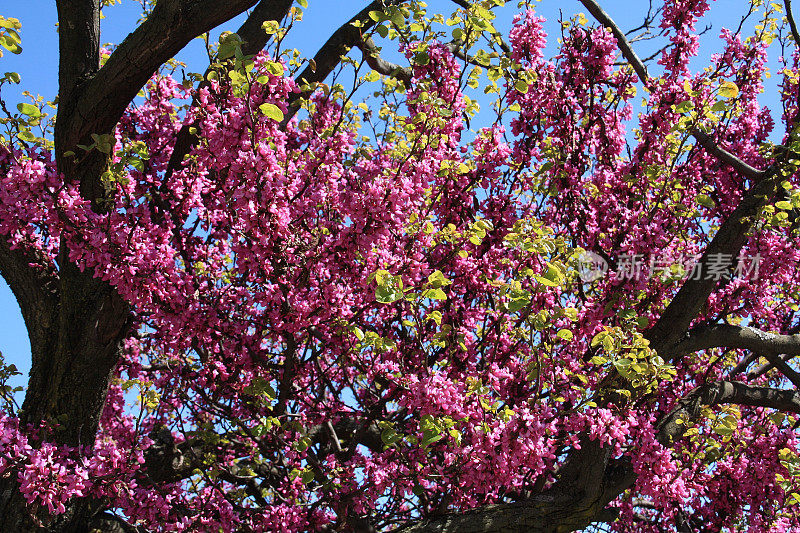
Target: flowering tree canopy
[{"x": 440, "y": 277}]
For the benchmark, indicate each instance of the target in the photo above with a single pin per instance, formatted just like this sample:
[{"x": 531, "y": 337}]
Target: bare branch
[{"x": 380, "y": 65}]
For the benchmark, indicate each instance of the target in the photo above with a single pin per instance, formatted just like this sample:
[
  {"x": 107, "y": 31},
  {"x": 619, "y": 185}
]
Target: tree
[{"x": 298, "y": 295}]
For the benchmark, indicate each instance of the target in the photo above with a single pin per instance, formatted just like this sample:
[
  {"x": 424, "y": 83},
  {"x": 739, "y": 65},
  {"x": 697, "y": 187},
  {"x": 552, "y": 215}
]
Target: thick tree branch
[
  {"x": 727, "y": 242},
  {"x": 535, "y": 515},
  {"x": 172, "y": 24},
  {"x": 729, "y": 336},
  {"x": 792, "y": 25},
  {"x": 769, "y": 345},
  {"x": 674, "y": 425},
  {"x": 254, "y": 39}
]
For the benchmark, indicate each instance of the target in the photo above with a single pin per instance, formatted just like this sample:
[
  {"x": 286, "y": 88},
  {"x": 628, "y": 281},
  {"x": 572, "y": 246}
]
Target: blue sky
[{"x": 38, "y": 67}]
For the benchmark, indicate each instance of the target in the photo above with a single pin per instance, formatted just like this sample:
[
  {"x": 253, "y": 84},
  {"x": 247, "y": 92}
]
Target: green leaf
[
  {"x": 10, "y": 44},
  {"x": 705, "y": 200},
  {"x": 565, "y": 334},
  {"x": 552, "y": 277},
  {"x": 598, "y": 339},
  {"x": 422, "y": 58},
  {"x": 434, "y": 294},
  {"x": 521, "y": 86},
  {"x": 270, "y": 27},
  {"x": 271, "y": 111},
  {"x": 388, "y": 294},
  {"x": 307, "y": 476},
  {"x": 783, "y": 204},
  {"x": 436, "y": 316},
  {"x": 519, "y": 303},
  {"x": 303, "y": 3},
  {"x": 27, "y": 135},
  {"x": 683, "y": 107},
  {"x": 623, "y": 367},
  {"x": 429, "y": 437},
  {"x": 260, "y": 387},
  {"x": 437, "y": 279},
  {"x": 275, "y": 68},
  {"x": 397, "y": 18},
  {"x": 728, "y": 89},
  {"x": 723, "y": 431},
  {"x": 390, "y": 288},
  {"x": 389, "y": 436},
  {"x": 719, "y": 106},
  {"x": 29, "y": 109},
  {"x": 377, "y": 16}
]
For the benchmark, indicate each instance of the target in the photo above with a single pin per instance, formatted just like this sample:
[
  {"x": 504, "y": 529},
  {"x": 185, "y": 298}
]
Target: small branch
[
  {"x": 334, "y": 436},
  {"x": 330, "y": 54},
  {"x": 254, "y": 38},
  {"x": 774, "y": 361},
  {"x": 622, "y": 41},
  {"x": 783, "y": 367},
  {"x": 705, "y": 140}
]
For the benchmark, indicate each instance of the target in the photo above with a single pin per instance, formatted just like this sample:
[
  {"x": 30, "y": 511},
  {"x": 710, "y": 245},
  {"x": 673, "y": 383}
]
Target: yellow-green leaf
[
  {"x": 728, "y": 89},
  {"x": 271, "y": 111}
]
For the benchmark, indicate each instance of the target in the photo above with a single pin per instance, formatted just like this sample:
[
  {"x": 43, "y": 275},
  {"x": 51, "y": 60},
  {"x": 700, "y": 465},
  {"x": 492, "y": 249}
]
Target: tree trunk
[
  {"x": 74, "y": 353},
  {"x": 76, "y": 328}
]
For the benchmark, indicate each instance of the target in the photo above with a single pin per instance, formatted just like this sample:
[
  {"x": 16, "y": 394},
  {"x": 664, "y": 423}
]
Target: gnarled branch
[
  {"x": 674, "y": 425},
  {"x": 380, "y": 65},
  {"x": 730, "y": 336}
]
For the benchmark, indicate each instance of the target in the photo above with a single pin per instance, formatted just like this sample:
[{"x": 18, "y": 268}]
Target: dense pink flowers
[{"x": 265, "y": 347}]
